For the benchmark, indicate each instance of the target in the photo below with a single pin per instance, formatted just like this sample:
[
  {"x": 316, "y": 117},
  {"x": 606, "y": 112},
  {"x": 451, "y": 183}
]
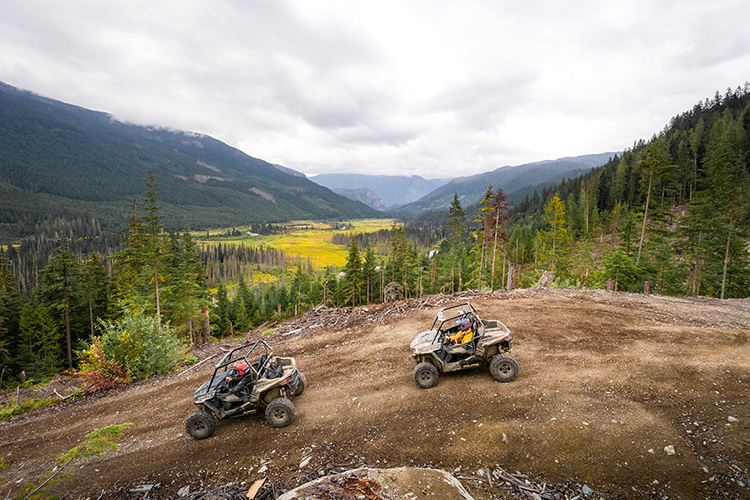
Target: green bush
[{"x": 140, "y": 345}]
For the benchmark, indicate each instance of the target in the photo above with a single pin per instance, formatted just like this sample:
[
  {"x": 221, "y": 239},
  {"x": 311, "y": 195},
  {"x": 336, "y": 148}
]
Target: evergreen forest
[{"x": 670, "y": 215}]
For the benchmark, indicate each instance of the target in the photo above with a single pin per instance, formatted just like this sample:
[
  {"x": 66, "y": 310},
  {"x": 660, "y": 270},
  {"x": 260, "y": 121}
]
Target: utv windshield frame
[{"x": 461, "y": 313}]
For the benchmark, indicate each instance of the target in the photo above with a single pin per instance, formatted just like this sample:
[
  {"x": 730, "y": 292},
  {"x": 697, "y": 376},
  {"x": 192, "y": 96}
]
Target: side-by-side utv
[
  {"x": 441, "y": 350},
  {"x": 248, "y": 379}
]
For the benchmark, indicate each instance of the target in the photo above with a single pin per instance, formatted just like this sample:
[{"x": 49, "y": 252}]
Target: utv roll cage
[
  {"x": 469, "y": 312},
  {"x": 257, "y": 368}
]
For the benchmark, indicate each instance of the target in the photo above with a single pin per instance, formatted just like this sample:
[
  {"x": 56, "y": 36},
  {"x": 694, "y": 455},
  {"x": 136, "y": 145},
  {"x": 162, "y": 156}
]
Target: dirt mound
[{"x": 633, "y": 396}]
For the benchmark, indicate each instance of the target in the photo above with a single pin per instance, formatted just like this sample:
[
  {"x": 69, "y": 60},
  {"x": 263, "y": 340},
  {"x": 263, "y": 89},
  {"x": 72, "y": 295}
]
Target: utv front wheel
[
  {"x": 302, "y": 384},
  {"x": 280, "y": 412},
  {"x": 504, "y": 368},
  {"x": 200, "y": 425},
  {"x": 425, "y": 375}
]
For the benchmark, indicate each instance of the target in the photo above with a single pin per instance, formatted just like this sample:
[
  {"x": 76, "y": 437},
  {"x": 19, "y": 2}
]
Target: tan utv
[{"x": 443, "y": 348}]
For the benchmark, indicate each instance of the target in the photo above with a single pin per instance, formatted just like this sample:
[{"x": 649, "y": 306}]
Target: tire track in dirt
[{"x": 607, "y": 381}]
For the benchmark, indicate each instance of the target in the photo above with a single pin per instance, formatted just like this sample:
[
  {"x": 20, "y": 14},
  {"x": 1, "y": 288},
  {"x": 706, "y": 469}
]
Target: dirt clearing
[{"x": 635, "y": 396}]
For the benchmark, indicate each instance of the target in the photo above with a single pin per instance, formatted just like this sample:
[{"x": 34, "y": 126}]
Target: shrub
[
  {"x": 98, "y": 371},
  {"x": 140, "y": 344}
]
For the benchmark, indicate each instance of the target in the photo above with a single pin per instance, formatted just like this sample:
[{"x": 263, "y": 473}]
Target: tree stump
[
  {"x": 513, "y": 271},
  {"x": 205, "y": 326},
  {"x": 545, "y": 280}
]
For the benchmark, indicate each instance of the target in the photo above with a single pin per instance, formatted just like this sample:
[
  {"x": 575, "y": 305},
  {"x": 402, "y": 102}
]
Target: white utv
[{"x": 435, "y": 352}]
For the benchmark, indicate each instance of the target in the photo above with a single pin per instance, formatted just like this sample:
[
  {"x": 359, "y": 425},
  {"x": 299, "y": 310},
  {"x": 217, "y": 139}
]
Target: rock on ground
[{"x": 385, "y": 484}]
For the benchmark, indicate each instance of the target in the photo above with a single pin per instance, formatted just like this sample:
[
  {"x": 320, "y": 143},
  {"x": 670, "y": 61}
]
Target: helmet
[
  {"x": 241, "y": 368},
  {"x": 464, "y": 324}
]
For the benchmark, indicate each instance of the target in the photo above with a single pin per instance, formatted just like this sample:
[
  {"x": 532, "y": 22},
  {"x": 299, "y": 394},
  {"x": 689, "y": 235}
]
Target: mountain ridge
[
  {"x": 394, "y": 190},
  {"x": 62, "y": 160},
  {"x": 364, "y": 195},
  {"x": 539, "y": 175}
]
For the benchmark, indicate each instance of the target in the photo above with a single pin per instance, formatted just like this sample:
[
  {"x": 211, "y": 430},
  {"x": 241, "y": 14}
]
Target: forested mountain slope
[
  {"x": 470, "y": 189},
  {"x": 675, "y": 210},
  {"x": 58, "y": 160}
]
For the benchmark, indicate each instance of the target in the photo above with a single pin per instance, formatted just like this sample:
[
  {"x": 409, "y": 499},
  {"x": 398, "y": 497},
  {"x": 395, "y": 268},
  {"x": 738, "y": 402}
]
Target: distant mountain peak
[
  {"x": 394, "y": 190},
  {"x": 471, "y": 189},
  {"x": 364, "y": 195}
]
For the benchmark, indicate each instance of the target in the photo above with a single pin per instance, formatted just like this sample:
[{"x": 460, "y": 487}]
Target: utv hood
[
  {"x": 208, "y": 389},
  {"x": 425, "y": 342}
]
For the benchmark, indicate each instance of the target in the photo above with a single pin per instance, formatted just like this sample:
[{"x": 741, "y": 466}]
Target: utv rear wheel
[
  {"x": 302, "y": 384},
  {"x": 200, "y": 425},
  {"x": 280, "y": 412},
  {"x": 425, "y": 375},
  {"x": 504, "y": 368}
]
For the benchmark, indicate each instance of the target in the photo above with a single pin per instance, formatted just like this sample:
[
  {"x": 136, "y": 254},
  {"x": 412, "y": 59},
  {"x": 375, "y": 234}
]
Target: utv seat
[
  {"x": 465, "y": 348},
  {"x": 255, "y": 367}
]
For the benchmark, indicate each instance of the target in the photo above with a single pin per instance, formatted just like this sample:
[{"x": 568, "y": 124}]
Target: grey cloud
[
  {"x": 422, "y": 87},
  {"x": 482, "y": 102},
  {"x": 383, "y": 134}
]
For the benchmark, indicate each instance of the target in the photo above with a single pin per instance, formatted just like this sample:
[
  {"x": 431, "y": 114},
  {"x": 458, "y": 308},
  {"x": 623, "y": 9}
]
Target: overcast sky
[{"x": 433, "y": 88}]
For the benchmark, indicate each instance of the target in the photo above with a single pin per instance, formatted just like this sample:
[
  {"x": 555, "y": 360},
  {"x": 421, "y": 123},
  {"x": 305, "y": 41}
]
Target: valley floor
[{"x": 608, "y": 382}]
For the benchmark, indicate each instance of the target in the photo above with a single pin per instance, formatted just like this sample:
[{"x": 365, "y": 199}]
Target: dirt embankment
[{"x": 610, "y": 384}]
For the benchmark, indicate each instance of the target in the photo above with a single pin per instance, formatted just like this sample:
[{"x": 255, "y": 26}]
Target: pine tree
[
  {"x": 353, "y": 280},
  {"x": 40, "y": 341},
  {"x": 399, "y": 248},
  {"x": 456, "y": 229},
  {"x": 130, "y": 263},
  {"x": 556, "y": 235},
  {"x": 154, "y": 242},
  {"x": 223, "y": 311},
  {"x": 653, "y": 164},
  {"x": 481, "y": 233},
  {"x": 60, "y": 278},
  {"x": 171, "y": 303},
  {"x": 456, "y": 220},
  {"x": 621, "y": 268},
  {"x": 10, "y": 311},
  {"x": 370, "y": 275},
  {"x": 498, "y": 220},
  {"x": 191, "y": 287},
  {"x": 244, "y": 305},
  {"x": 94, "y": 289}
]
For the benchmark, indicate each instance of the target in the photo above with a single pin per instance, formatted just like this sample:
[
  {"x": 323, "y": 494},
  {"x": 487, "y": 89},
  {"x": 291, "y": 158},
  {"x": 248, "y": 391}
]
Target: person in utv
[{"x": 463, "y": 335}]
